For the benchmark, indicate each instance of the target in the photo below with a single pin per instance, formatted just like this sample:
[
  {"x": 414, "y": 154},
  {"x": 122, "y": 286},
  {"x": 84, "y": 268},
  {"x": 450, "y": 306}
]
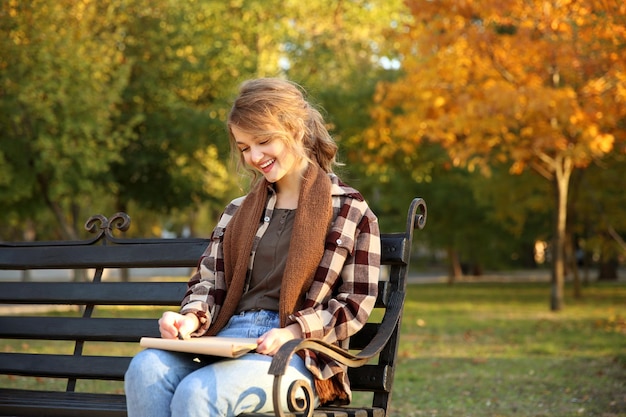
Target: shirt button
[
  {"x": 266, "y": 219},
  {"x": 339, "y": 241}
]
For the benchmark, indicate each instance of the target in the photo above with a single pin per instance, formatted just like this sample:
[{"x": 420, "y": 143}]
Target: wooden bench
[{"x": 372, "y": 358}]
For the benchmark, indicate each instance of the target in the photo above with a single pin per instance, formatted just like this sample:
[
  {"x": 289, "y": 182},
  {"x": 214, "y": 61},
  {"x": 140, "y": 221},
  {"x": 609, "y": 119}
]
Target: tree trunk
[
  {"x": 586, "y": 263},
  {"x": 125, "y": 274},
  {"x": 572, "y": 266},
  {"x": 68, "y": 230},
  {"x": 29, "y": 234},
  {"x": 563, "y": 170},
  {"x": 455, "y": 270}
]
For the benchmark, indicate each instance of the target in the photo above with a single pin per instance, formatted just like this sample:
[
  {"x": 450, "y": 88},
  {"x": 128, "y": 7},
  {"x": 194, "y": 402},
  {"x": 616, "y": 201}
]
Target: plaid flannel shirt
[{"x": 344, "y": 288}]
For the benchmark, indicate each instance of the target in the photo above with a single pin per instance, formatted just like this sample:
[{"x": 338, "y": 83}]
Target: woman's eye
[{"x": 242, "y": 150}]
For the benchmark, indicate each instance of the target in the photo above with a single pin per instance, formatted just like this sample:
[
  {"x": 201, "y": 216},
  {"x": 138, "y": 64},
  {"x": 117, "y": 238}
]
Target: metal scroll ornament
[{"x": 104, "y": 227}]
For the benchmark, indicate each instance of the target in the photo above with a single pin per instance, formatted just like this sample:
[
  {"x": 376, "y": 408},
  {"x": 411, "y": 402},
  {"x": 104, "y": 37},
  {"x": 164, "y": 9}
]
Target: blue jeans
[{"x": 164, "y": 383}]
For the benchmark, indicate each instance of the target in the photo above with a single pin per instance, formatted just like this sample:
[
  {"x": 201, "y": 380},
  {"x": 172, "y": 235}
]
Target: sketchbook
[{"x": 229, "y": 347}]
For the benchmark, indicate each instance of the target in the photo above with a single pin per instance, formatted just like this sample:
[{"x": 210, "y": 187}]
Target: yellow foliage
[
  {"x": 600, "y": 143},
  {"x": 439, "y": 102},
  {"x": 487, "y": 78},
  {"x": 517, "y": 167}
]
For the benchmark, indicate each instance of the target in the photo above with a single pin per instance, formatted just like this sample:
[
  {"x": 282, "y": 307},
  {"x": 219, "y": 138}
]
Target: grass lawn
[
  {"x": 483, "y": 350},
  {"x": 496, "y": 350}
]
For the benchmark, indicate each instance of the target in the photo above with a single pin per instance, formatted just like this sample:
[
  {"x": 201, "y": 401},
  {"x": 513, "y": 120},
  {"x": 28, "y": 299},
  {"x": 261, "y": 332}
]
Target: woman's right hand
[{"x": 172, "y": 324}]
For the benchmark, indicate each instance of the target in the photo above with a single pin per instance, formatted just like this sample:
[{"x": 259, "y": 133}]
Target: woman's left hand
[{"x": 270, "y": 342}]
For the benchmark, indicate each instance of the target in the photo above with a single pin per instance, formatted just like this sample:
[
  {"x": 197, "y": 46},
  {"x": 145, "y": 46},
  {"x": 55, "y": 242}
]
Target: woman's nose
[{"x": 255, "y": 154}]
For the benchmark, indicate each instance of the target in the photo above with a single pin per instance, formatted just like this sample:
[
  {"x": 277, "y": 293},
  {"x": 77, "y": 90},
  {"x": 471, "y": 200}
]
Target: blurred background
[{"x": 508, "y": 118}]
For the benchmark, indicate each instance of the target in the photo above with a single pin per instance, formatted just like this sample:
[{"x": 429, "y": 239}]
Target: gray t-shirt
[{"x": 269, "y": 264}]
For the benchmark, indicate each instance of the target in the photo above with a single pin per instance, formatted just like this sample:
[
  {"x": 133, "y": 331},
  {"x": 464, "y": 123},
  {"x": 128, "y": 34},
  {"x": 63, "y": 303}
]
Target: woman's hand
[
  {"x": 270, "y": 342},
  {"x": 172, "y": 324}
]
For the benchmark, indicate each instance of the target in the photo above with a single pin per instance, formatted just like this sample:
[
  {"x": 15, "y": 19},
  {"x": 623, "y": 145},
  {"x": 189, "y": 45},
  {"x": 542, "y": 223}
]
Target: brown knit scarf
[
  {"x": 306, "y": 248},
  {"x": 311, "y": 224}
]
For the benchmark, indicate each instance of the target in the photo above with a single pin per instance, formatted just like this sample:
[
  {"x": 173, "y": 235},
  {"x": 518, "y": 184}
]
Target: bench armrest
[{"x": 281, "y": 359}]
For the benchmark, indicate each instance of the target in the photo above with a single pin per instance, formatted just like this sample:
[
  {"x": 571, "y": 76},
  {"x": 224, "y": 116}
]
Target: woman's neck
[{"x": 288, "y": 188}]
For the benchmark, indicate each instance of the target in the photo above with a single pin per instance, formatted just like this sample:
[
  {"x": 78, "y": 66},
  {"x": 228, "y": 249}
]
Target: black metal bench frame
[{"x": 372, "y": 355}]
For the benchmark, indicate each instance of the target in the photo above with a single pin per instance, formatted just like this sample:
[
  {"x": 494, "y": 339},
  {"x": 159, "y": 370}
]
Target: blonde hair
[{"x": 278, "y": 108}]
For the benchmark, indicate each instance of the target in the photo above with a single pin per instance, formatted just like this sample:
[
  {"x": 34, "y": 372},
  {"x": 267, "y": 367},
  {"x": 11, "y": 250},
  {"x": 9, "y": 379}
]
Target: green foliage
[
  {"x": 597, "y": 207},
  {"x": 178, "y": 102},
  {"x": 61, "y": 82},
  {"x": 138, "y": 120}
]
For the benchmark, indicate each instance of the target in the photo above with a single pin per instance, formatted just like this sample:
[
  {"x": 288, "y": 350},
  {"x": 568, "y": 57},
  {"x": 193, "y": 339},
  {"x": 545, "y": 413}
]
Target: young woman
[{"x": 297, "y": 257}]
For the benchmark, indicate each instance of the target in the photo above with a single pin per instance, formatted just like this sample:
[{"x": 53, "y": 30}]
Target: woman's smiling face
[{"x": 268, "y": 155}]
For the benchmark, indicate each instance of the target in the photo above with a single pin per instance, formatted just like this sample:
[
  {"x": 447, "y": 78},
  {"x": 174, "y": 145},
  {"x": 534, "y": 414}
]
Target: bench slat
[
  {"x": 177, "y": 253},
  {"x": 102, "y": 293},
  {"x": 333, "y": 412},
  {"x": 365, "y": 378},
  {"x": 64, "y": 366},
  {"x": 143, "y": 254},
  {"x": 61, "y": 404},
  {"x": 112, "y": 293},
  {"x": 77, "y": 328},
  {"x": 111, "y": 329},
  {"x": 70, "y": 404},
  {"x": 350, "y": 412}
]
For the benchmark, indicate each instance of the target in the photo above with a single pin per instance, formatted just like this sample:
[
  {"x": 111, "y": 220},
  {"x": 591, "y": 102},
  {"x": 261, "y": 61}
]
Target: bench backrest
[{"x": 105, "y": 251}]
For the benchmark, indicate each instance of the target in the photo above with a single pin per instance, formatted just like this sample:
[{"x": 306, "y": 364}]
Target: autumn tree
[
  {"x": 339, "y": 56},
  {"x": 537, "y": 85}
]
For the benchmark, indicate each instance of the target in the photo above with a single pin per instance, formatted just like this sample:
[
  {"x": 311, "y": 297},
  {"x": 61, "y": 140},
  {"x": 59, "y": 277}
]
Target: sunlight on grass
[{"x": 496, "y": 350}]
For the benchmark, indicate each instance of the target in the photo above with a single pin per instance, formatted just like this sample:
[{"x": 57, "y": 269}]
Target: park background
[{"x": 508, "y": 118}]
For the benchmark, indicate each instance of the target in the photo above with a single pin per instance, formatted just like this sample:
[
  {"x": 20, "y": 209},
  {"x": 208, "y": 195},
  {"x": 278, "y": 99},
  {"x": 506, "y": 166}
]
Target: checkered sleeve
[{"x": 206, "y": 288}]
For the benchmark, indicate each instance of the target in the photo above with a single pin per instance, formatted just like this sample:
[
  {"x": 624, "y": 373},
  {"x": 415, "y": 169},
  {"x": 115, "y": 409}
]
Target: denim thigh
[{"x": 162, "y": 383}]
